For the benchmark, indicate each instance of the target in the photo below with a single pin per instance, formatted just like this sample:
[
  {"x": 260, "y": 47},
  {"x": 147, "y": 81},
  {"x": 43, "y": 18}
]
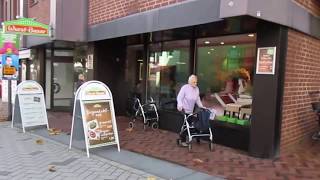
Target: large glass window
[
  {"x": 168, "y": 70},
  {"x": 225, "y": 66}
]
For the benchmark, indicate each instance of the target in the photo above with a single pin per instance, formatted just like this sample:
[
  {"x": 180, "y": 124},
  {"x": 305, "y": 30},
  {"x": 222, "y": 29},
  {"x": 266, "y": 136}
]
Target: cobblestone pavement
[
  {"x": 27, "y": 156},
  {"x": 303, "y": 162}
]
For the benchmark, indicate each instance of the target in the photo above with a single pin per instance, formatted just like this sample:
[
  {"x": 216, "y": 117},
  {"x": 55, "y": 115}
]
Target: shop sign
[
  {"x": 266, "y": 60},
  {"x": 10, "y": 66},
  {"x": 9, "y": 43},
  {"x": 94, "y": 116},
  {"x": 26, "y": 53},
  {"x": 29, "y": 108},
  {"x": 9, "y": 55},
  {"x": 26, "y": 26},
  {"x": 90, "y": 61}
]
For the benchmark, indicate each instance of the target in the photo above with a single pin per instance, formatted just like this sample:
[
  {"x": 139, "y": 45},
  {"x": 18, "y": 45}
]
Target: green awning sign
[{"x": 26, "y": 26}]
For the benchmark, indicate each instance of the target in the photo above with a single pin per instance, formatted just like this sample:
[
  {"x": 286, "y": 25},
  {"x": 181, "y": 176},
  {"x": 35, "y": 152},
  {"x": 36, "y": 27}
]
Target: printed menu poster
[
  {"x": 32, "y": 109},
  {"x": 98, "y": 120},
  {"x": 266, "y": 60}
]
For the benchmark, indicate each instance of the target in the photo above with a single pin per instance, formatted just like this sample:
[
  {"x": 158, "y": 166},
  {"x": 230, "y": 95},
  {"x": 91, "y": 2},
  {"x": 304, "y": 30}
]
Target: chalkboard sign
[
  {"x": 93, "y": 106},
  {"x": 29, "y": 108}
]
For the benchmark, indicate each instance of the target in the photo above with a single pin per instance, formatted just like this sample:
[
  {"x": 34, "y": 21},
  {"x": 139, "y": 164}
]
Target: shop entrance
[
  {"x": 134, "y": 71},
  {"x": 62, "y": 83}
]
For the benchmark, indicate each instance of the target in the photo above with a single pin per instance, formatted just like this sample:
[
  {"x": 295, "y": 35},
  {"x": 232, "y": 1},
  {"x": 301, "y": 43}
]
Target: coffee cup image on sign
[{"x": 92, "y": 124}]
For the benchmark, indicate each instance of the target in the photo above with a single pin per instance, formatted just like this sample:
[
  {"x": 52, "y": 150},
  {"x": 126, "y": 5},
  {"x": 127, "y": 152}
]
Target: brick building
[{"x": 156, "y": 44}]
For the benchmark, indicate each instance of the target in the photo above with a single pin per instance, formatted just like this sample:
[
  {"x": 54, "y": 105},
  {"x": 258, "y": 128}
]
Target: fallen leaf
[
  {"x": 151, "y": 178},
  {"x": 51, "y": 133},
  {"x": 197, "y": 160},
  {"x": 129, "y": 129},
  {"x": 39, "y": 141},
  {"x": 54, "y": 131},
  {"x": 52, "y": 168}
]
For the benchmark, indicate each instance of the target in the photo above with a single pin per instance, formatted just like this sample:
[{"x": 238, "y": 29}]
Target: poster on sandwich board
[
  {"x": 93, "y": 105},
  {"x": 29, "y": 108}
]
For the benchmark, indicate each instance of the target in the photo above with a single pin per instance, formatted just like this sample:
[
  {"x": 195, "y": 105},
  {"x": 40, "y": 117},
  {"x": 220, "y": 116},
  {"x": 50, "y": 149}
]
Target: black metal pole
[{"x": 9, "y": 101}]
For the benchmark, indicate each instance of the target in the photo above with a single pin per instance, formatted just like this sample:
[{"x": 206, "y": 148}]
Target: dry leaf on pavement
[
  {"x": 39, "y": 141},
  {"x": 52, "y": 168},
  {"x": 54, "y": 131},
  {"x": 197, "y": 160},
  {"x": 151, "y": 178},
  {"x": 129, "y": 129}
]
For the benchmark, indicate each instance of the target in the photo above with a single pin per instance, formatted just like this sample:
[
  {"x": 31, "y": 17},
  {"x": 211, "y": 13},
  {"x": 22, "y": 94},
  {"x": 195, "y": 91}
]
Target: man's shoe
[{"x": 184, "y": 144}]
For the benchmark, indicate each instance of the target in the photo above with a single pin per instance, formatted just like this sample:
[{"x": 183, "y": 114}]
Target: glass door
[
  {"x": 62, "y": 84},
  {"x": 168, "y": 70}
]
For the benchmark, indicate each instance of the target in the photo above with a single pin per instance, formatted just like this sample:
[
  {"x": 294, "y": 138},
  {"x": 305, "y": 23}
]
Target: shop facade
[
  {"x": 56, "y": 61},
  {"x": 150, "y": 49},
  {"x": 152, "y": 53}
]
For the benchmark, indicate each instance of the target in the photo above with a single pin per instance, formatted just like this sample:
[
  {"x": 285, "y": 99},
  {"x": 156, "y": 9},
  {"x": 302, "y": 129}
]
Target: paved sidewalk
[{"x": 27, "y": 156}]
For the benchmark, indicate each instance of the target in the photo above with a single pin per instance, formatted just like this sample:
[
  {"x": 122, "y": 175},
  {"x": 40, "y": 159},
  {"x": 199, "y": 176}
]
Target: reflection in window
[
  {"x": 167, "y": 71},
  {"x": 225, "y": 65},
  {"x": 224, "y": 59}
]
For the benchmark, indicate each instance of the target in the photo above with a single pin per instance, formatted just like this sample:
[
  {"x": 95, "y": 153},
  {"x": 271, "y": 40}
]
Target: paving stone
[
  {"x": 4, "y": 173},
  {"x": 25, "y": 139},
  {"x": 65, "y": 162},
  {"x": 21, "y": 158},
  {"x": 36, "y": 153}
]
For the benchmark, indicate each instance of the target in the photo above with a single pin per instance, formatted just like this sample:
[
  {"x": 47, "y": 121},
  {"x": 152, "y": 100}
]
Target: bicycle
[{"x": 316, "y": 108}]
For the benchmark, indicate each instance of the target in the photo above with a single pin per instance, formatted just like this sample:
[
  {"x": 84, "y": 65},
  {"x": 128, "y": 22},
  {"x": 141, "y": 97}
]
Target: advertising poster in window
[
  {"x": 10, "y": 66},
  {"x": 266, "y": 60},
  {"x": 98, "y": 121}
]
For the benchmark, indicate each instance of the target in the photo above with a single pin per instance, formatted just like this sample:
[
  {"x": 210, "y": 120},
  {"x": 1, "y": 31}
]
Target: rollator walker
[
  {"x": 148, "y": 112},
  {"x": 192, "y": 124}
]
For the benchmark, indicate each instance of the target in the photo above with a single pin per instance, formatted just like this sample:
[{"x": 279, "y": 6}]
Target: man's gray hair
[{"x": 192, "y": 76}]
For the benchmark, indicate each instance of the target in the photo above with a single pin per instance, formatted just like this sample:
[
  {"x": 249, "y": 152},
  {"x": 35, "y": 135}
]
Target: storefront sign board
[
  {"x": 29, "y": 108},
  {"x": 9, "y": 43},
  {"x": 266, "y": 59},
  {"x": 9, "y": 55},
  {"x": 26, "y": 26},
  {"x": 93, "y": 114},
  {"x": 10, "y": 66}
]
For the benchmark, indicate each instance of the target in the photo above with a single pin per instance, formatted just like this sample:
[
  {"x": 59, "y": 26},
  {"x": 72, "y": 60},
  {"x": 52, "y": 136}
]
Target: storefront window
[
  {"x": 225, "y": 67},
  {"x": 168, "y": 70}
]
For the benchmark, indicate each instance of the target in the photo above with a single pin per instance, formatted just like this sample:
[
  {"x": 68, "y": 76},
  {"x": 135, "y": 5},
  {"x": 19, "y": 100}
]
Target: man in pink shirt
[{"x": 187, "y": 98}]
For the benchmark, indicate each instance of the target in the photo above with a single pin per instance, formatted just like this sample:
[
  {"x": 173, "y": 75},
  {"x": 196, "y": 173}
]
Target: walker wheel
[
  {"x": 198, "y": 140},
  {"x": 189, "y": 142},
  {"x": 211, "y": 146},
  {"x": 189, "y": 147},
  {"x": 131, "y": 125},
  {"x": 154, "y": 125},
  {"x": 179, "y": 142}
]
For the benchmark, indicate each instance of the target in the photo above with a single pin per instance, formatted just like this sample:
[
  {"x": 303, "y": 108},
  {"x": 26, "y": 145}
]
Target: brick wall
[
  {"x": 3, "y": 111},
  {"x": 39, "y": 9},
  {"x": 302, "y": 76},
  {"x": 313, "y": 6},
  {"x": 107, "y": 10}
]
